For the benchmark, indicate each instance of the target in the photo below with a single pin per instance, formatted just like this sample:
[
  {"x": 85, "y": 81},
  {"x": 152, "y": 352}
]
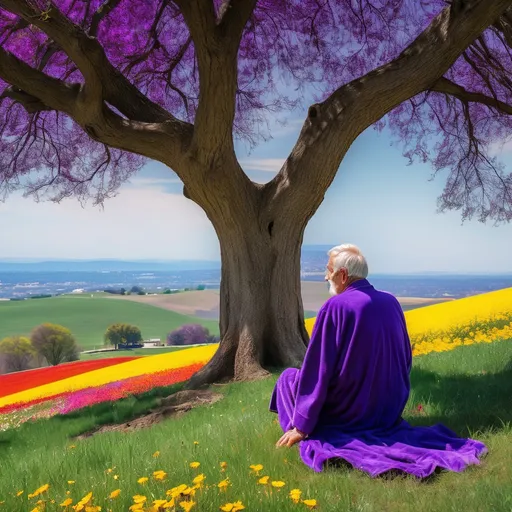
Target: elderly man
[{"x": 346, "y": 401}]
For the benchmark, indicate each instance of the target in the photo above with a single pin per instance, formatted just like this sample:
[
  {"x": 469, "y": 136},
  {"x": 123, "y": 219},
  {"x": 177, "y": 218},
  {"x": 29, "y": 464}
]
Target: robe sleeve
[{"x": 316, "y": 372}]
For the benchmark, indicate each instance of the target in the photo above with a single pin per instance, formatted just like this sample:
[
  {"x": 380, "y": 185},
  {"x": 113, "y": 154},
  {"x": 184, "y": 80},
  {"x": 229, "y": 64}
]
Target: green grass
[
  {"x": 88, "y": 318},
  {"x": 468, "y": 390}
]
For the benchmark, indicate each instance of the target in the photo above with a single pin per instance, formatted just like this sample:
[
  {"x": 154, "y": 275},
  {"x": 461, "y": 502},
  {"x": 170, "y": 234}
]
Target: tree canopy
[
  {"x": 93, "y": 89},
  {"x": 85, "y": 85},
  {"x": 117, "y": 334},
  {"x": 55, "y": 343},
  {"x": 17, "y": 353}
]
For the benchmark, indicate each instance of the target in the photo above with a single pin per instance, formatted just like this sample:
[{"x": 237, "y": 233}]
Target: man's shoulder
[{"x": 354, "y": 299}]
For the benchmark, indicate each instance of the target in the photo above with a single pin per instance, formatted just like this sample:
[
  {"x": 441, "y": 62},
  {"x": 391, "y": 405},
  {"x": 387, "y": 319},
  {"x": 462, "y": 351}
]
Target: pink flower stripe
[{"x": 21, "y": 381}]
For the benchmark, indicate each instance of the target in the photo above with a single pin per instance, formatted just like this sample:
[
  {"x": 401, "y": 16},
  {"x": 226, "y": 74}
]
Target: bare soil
[{"x": 172, "y": 406}]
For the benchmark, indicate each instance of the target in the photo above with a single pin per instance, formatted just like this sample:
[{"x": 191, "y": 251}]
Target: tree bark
[{"x": 261, "y": 311}]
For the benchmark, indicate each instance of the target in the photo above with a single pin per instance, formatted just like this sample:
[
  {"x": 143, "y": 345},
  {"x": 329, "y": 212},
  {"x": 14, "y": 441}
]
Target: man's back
[{"x": 370, "y": 382}]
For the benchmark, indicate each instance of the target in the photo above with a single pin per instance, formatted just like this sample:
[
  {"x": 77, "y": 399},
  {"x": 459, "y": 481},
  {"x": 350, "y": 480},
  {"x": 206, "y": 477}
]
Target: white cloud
[
  {"x": 139, "y": 223},
  {"x": 272, "y": 165}
]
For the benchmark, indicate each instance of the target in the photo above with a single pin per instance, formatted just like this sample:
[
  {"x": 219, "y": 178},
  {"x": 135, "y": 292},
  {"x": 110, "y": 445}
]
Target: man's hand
[{"x": 290, "y": 438}]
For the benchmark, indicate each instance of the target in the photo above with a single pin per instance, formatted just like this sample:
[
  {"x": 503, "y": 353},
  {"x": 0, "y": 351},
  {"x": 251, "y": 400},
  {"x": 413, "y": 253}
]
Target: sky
[{"x": 376, "y": 201}]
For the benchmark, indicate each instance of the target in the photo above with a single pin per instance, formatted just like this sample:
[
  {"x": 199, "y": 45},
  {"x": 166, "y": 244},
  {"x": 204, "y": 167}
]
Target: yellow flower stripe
[
  {"x": 460, "y": 312},
  {"x": 141, "y": 366},
  {"x": 448, "y": 325}
]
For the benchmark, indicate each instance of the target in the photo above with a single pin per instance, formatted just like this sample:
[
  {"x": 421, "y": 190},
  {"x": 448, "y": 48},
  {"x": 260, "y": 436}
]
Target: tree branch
[
  {"x": 159, "y": 141},
  {"x": 216, "y": 46},
  {"x": 102, "y": 12},
  {"x": 234, "y": 15},
  {"x": 31, "y": 86},
  {"x": 103, "y": 81},
  {"x": 448, "y": 87},
  {"x": 333, "y": 125}
]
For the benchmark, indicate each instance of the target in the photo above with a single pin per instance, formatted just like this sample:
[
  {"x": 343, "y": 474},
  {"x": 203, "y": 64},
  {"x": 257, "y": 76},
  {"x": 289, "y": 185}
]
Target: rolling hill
[{"x": 88, "y": 318}]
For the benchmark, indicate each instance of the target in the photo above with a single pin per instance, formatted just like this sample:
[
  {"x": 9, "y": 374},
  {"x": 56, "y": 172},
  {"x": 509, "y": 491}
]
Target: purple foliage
[
  {"x": 312, "y": 44},
  {"x": 189, "y": 334}
]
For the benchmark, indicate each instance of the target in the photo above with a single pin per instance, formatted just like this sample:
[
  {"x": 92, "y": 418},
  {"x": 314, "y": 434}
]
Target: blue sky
[{"x": 376, "y": 202}]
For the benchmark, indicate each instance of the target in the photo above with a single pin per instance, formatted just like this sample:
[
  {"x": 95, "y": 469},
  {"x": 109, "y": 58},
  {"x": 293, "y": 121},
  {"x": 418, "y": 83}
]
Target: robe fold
[{"x": 351, "y": 391}]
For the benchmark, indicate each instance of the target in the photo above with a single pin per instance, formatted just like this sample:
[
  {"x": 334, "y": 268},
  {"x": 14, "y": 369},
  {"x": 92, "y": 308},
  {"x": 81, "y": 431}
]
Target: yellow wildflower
[
  {"x": 72, "y": 446},
  {"x": 39, "y": 491},
  {"x": 19, "y": 493},
  {"x": 66, "y": 502},
  {"x": 116, "y": 477},
  {"x": 71, "y": 482},
  {"x": 309, "y": 503},
  {"x": 176, "y": 491},
  {"x": 224, "y": 484},
  {"x": 159, "y": 475},
  {"x": 189, "y": 491},
  {"x": 109, "y": 470},
  {"x": 195, "y": 465},
  {"x": 187, "y": 505},
  {"x": 295, "y": 495},
  {"x": 196, "y": 442},
  {"x": 138, "y": 498},
  {"x": 223, "y": 466},
  {"x": 137, "y": 507},
  {"x": 278, "y": 484},
  {"x": 35, "y": 509},
  {"x": 94, "y": 508},
  {"x": 169, "y": 504},
  {"x": 156, "y": 454},
  {"x": 199, "y": 479},
  {"x": 83, "y": 502},
  {"x": 142, "y": 480},
  {"x": 256, "y": 468},
  {"x": 115, "y": 494},
  {"x": 232, "y": 507},
  {"x": 263, "y": 480}
]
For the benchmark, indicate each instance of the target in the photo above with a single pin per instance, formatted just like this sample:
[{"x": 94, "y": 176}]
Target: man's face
[{"x": 338, "y": 280}]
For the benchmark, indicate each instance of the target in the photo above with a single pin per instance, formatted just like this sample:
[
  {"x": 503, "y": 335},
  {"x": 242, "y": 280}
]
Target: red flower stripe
[
  {"x": 112, "y": 391},
  {"x": 21, "y": 381}
]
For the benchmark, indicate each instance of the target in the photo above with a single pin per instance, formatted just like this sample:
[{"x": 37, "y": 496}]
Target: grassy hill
[
  {"x": 88, "y": 318},
  {"x": 467, "y": 389}
]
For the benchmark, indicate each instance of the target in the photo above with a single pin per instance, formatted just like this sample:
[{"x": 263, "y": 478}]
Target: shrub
[
  {"x": 55, "y": 343},
  {"x": 118, "y": 334},
  {"x": 16, "y": 354},
  {"x": 190, "y": 334}
]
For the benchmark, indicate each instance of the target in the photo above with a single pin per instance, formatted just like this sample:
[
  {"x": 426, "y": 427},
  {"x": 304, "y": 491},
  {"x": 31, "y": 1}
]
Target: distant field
[
  {"x": 88, "y": 318},
  {"x": 205, "y": 304}
]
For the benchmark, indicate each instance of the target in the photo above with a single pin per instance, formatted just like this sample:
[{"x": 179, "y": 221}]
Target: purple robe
[{"x": 352, "y": 388}]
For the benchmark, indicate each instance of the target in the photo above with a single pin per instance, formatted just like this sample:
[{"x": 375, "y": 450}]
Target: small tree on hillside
[
  {"x": 55, "y": 343},
  {"x": 190, "y": 334},
  {"x": 17, "y": 354},
  {"x": 123, "y": 333}
]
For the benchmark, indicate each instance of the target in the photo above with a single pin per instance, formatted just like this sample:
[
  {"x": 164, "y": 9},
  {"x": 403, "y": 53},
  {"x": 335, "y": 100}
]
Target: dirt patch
[{"x": 172, "y": 406}]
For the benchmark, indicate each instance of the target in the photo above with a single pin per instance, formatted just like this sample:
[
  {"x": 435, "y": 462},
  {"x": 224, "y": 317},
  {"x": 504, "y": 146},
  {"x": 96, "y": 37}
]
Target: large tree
[{"x": 93, "y": 89}]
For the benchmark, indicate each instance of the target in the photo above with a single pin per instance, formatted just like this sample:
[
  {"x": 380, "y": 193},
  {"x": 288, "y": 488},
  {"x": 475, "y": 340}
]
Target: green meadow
[
  {"x": 467, "y": 389},
  {"x": 88, "y": 318}
]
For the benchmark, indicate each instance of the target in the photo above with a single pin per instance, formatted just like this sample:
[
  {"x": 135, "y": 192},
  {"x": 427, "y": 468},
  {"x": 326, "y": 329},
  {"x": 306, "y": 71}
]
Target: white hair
[{"x": 350, "y": 257}]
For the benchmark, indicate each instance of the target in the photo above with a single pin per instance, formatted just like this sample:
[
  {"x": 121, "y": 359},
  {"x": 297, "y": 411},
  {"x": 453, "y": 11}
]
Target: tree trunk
[{"x": 261, "y": 312}]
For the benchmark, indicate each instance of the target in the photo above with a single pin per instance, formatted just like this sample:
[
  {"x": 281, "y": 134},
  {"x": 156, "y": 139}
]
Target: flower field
[
  {"x": 481, "y": 318},
  {"x": 94, "y": 382},
  {"x": 59, "y": 390},
  {"x": 21, "y": 381}
]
